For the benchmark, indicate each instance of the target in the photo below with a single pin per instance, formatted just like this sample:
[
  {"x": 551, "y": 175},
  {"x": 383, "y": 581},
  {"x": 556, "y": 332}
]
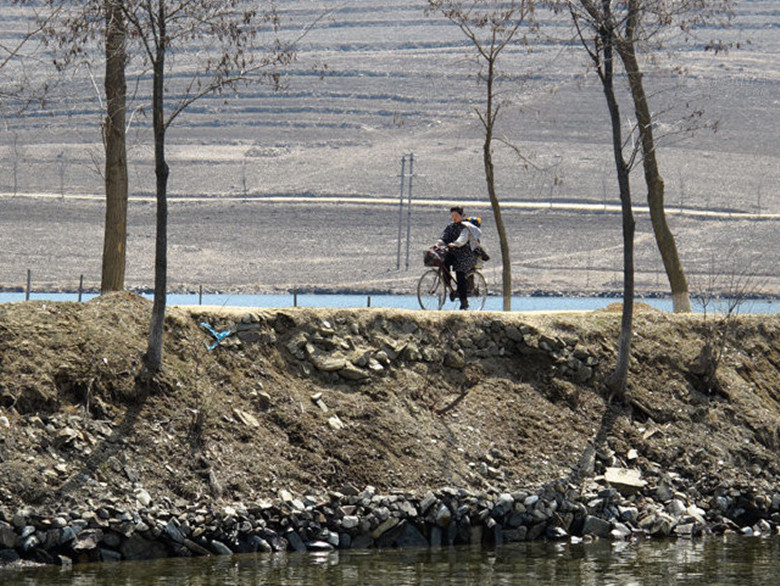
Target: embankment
[{"x": 313, "y": 429}]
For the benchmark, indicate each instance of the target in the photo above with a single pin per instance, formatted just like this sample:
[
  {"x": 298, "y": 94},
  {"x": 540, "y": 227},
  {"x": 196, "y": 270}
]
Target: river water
[
  {"x": 493, "y": 303},
  {"x": 733, "y": 560}
]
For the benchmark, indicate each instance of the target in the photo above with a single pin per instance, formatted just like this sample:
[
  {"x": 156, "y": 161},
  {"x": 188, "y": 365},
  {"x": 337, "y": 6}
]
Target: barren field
[
  {"x": 398, "y": 82},
  {"x": 256, "y": 247}
]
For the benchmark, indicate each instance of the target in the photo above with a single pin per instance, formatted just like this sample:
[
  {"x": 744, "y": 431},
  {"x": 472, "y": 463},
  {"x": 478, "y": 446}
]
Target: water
[
  {"x": 735, "y": 560},
  {"x": 402, "y": 301}
]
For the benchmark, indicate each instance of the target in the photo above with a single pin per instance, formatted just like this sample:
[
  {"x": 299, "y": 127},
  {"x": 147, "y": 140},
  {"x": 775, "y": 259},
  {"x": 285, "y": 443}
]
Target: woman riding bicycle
[{"x": 461, "y": 238}]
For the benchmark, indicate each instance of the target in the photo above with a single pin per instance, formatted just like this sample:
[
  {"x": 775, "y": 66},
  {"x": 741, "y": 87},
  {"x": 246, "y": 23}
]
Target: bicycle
[{"x": 437, "y": 290}]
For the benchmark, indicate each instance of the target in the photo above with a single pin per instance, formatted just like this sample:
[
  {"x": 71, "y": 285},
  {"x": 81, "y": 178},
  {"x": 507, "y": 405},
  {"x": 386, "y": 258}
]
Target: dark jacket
[{"x": 463, "y": 258}]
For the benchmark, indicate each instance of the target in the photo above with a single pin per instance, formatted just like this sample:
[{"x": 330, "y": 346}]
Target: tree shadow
[
  {"x": 109, "y": 447},
  {"x": 586, "y": 464},
  {"x": 464, "y": 390}
]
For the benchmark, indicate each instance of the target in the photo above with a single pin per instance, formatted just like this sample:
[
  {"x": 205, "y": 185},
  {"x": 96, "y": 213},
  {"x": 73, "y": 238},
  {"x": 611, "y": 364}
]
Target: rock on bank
[{"x": 304, "y": 403}]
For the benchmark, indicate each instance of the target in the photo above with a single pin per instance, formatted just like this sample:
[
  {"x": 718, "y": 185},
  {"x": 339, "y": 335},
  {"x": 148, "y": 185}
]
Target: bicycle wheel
[
  {"x": 430, "y": 290},
  {"x": 477, "y": 291}
]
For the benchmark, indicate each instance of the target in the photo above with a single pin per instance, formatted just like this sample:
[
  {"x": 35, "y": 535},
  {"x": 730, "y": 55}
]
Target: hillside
[{"x": 313, "y": 400}]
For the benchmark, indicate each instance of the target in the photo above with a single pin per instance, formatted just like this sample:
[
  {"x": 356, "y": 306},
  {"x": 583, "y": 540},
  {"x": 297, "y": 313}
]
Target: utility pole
[
  {"x": 409, "y": 208},
  {"x": 401, "y": 212},
  {"x": 404, "y": 176}
]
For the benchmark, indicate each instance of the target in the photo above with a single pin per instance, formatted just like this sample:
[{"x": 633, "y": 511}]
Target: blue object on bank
[{"x": 218, "y": 336}]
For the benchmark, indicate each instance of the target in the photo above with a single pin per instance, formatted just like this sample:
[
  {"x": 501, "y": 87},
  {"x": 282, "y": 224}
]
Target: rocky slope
[{"x": 298, "y": 407}]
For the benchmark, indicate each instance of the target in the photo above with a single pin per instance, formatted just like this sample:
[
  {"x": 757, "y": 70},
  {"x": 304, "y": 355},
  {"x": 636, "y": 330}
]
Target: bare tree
[
  {"x": 490, "y": 26},
  {"x": 223, "y": 39},
  {"x": 596, "y": 25},
  {"x": 721, "y": 293},
  {"x": 114, "y": 137},
  {"x": 645, "y": 25},
  {"x": 18, "y": 153},
  {"x": 74, "y": 33}
]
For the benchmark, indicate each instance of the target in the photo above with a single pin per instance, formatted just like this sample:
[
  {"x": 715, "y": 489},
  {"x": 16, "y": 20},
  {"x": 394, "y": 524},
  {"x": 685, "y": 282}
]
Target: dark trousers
[
  {"x": 463, "y": 287},
  {"x": 460, "y": 279}
]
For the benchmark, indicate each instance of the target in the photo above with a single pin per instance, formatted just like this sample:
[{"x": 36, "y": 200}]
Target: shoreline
[{"x": 617, "y": 505}]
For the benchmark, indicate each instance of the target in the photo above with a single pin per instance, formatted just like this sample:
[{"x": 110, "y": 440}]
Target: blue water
[{"x": 402, "y": 301}]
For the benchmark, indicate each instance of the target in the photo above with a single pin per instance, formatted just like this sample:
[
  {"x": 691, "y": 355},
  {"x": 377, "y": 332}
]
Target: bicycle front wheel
[
  {"x": 430, "y": 290},
  {"x": 477, "y": 291}
]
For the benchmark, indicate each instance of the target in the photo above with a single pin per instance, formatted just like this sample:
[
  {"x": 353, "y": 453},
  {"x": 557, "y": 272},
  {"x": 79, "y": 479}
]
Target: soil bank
[{"x": 309, "y": 401}]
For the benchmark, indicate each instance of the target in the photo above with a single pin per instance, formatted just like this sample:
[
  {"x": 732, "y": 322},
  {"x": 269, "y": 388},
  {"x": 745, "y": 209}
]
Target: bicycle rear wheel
[
  {"x": 477, "y": 291},
  {"x": 431, "y": 292}
]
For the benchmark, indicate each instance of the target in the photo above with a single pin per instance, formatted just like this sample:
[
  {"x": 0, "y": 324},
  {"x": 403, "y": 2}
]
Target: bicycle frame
[{"x": 438, "y": 283}]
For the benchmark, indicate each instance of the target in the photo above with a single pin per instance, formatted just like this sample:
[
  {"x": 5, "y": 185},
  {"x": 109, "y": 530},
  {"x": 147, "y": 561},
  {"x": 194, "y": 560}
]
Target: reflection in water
[{"x": 731, "y": 561}]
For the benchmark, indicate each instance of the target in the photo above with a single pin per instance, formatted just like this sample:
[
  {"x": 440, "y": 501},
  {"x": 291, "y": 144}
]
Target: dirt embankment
[{"x": 312, "y": 400}]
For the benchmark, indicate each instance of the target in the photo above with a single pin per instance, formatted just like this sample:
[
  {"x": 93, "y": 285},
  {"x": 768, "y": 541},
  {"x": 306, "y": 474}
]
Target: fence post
[
  {"x": 368, "y": 302},
  {"x": 200, "y": 295},
  {"x": 81, "y": 286},
  {"x": 29, "y": 279},
  {"x": 295, "y": 297}
]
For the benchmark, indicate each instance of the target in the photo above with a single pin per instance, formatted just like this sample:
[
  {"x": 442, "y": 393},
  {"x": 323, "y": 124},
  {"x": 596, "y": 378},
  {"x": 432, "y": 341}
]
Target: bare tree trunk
[
  {"x": 506, "y": 270},
  {"x": 655, "y": 184},
  {"x": 115, "y": 229},
  {"x": 153, "y": 357},
  {"x": 618, "y": 378},
  {"x": 506, "y": 267}
]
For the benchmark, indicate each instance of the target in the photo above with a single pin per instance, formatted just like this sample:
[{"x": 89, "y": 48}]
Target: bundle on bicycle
[{"x": 458, "y": 250}]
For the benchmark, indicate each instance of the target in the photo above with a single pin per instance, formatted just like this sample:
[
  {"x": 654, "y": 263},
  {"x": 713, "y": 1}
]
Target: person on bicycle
[{"x": 461, "y": 238}]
